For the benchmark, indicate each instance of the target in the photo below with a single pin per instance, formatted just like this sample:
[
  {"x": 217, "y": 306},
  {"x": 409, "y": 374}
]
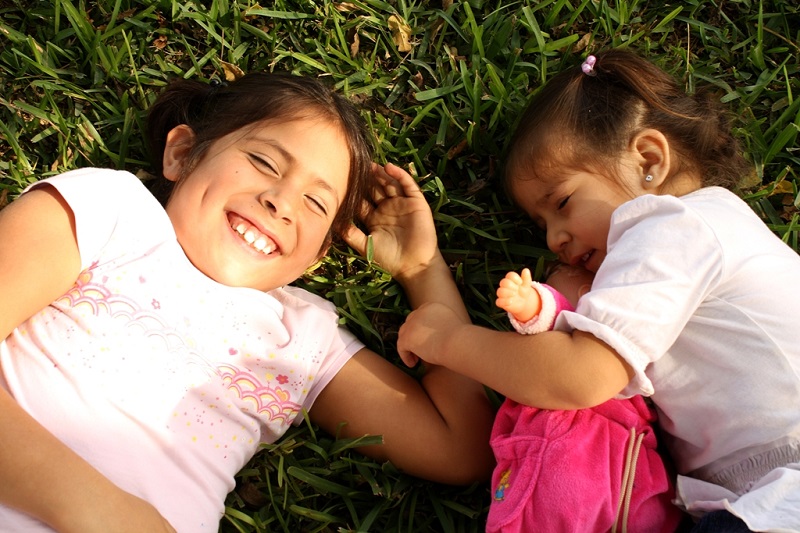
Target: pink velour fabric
[{"x": 565, "y": 471}]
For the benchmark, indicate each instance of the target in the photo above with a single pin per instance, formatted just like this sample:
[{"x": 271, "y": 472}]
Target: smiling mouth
[{"x": 252, "y": 236}]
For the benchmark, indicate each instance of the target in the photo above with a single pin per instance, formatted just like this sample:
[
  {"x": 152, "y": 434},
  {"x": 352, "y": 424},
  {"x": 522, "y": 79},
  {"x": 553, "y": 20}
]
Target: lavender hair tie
[{"x": 588, "y": 66}]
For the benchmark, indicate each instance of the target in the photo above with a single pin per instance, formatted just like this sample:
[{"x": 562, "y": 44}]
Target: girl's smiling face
[{"x": 257, "y": 209}]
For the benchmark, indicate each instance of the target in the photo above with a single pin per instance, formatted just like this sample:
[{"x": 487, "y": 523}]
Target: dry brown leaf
[
  {"x": 160, "y": 42},
  {"x": 232, "y": 72},
  {"x": 457, "y": 149},
  {"x": 583, "y": 42},
  {"x": 355, "y": 45},
  {"x": 344, "y": 7},
  {"x": 401, "y": 33}
]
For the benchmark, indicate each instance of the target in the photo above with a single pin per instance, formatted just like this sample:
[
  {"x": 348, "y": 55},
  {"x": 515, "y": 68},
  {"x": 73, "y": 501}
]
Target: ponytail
[{"x": 600, "y": 111}]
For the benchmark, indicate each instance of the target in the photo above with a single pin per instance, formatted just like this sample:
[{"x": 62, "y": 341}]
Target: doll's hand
[
  {"x": 399, "y": 222},
  {"x": 515, "y": 295}
]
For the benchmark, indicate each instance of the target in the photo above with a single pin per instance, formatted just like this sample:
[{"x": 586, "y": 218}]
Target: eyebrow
[
  {"x": 548, "y": 195},
  {"x": 287, "y": 155}
]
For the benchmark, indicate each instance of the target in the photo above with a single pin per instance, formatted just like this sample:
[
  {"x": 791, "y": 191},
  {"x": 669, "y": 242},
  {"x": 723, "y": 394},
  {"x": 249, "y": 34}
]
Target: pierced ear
[
  {"x": 651, "y": 150},
  {"x": 180, "y": 141}
]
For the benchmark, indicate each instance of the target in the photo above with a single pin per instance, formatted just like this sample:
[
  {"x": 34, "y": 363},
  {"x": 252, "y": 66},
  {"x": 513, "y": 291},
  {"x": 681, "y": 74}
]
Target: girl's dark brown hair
[
  {"x": 580, "y": 121},
  {"x": 216, "y": 110}
]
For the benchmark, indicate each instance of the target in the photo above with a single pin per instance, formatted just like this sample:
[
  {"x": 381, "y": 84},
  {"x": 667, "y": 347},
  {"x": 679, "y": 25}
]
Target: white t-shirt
[
  {"x": 702, "y": 300},
  {"x": 163, "y": 379}
]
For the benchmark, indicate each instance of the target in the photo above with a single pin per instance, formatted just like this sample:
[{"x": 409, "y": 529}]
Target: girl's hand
[
  {"x": 425, "y": 333},
  {"x": 400, "y": 225},
  {"x": 515, "y": 295}
]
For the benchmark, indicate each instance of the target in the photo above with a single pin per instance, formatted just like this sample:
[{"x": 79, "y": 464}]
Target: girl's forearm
[
  {"x": 551, "y": 370},
  {"x": 466, "y": 411},
  {"x": 45, "y": 479},
  {"x": 434, "y": 283},
  {"x": 461, "y": 401},
  {"x": 41, "y": 476}
]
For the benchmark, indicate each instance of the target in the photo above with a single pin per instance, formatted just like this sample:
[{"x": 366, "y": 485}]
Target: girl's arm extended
[
  {"x": 39, "y": 475},
  {"x": 437, "y": 428},
  {"x": 549, "y": 370}
]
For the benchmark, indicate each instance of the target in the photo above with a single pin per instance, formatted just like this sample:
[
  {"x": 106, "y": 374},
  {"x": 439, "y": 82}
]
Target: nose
[
  {"x": 557, "y": 239},
  {"x": 278, "y": 202}
]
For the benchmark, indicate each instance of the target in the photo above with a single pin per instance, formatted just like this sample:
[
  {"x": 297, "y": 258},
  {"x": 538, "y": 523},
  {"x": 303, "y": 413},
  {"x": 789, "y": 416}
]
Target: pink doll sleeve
[{"x": 553, "y": 302}]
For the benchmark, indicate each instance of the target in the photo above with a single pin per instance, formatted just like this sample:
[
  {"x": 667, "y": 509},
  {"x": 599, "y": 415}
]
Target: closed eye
[
  {"x": 318, "y": 205},
  {"x": 263, "y": 163},
  {"x": 563, "y": 203}
]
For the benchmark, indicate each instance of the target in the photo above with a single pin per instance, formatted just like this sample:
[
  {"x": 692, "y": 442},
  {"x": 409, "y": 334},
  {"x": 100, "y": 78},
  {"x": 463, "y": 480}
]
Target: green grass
[{"x": 77, "y": 76}]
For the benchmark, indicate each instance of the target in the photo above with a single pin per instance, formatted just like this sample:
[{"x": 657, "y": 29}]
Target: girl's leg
[{"x": 720, "y": 522}]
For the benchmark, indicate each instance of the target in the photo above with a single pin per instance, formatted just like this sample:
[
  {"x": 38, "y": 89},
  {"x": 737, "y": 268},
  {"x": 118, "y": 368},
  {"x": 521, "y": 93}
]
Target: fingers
[
  {"x": 503, "y": 303},
  {"x": 387, "y": 186},
  {"x": 356, "y": 238},
  {"x": 526, "y": 277},
  {"x": 512, "y": 282},
  {"x": 507, "y": 292},
  {"x": 409, "y": 185},
  {"x": 396, "y": 181},
  {"x": 408, "y": 358},
  {"x": 509, "y": 303}
]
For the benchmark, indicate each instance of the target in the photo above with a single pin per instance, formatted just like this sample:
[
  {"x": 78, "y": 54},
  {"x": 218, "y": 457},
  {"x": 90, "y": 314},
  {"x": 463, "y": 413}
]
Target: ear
[
  {"x": 652, "y": 157},
  {"x": 180, "y": 141}
]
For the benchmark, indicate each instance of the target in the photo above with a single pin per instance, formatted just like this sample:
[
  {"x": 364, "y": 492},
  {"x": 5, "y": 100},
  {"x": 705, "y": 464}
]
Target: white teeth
[
  {"x": 254, "y": 238},
  {"x": 586, "y": 256}
]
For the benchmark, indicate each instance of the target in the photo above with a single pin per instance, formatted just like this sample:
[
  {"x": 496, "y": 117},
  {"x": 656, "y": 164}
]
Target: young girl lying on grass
[
  {"x": 148, "y": 351},
  {"x": 690, "y": 305}
]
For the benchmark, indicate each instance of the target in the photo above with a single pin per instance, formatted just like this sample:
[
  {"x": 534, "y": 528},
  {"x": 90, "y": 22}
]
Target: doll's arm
[{"x": 518, "y": 295}]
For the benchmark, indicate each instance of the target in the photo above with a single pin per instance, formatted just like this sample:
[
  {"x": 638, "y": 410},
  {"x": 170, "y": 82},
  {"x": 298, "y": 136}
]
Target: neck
[{"x": 680, "y": 184}]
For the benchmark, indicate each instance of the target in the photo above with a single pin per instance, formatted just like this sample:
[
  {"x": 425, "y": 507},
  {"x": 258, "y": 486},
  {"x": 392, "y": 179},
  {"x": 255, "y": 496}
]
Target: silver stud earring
[{"x": 648, "y": 178}]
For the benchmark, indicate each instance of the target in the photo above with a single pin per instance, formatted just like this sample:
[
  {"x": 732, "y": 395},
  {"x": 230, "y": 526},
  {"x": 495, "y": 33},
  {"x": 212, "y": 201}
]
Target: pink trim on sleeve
[{"x": 553, "y": 302}]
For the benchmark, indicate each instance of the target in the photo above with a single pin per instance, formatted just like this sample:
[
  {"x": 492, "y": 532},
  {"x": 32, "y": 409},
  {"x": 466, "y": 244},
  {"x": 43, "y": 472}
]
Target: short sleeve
[
  {"x": 100, "y": 199},
  {"x": 644, "y": 292},
  {"x": 314, "y": 323}
]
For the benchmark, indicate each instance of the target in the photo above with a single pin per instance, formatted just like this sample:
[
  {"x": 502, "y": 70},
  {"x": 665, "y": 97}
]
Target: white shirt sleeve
[
  {"x": 99, "y": 199},
  {"x": 644, "y": 292}
]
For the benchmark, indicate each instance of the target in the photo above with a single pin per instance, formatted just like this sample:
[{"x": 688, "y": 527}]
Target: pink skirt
[{"x": 588, "y": 470}]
